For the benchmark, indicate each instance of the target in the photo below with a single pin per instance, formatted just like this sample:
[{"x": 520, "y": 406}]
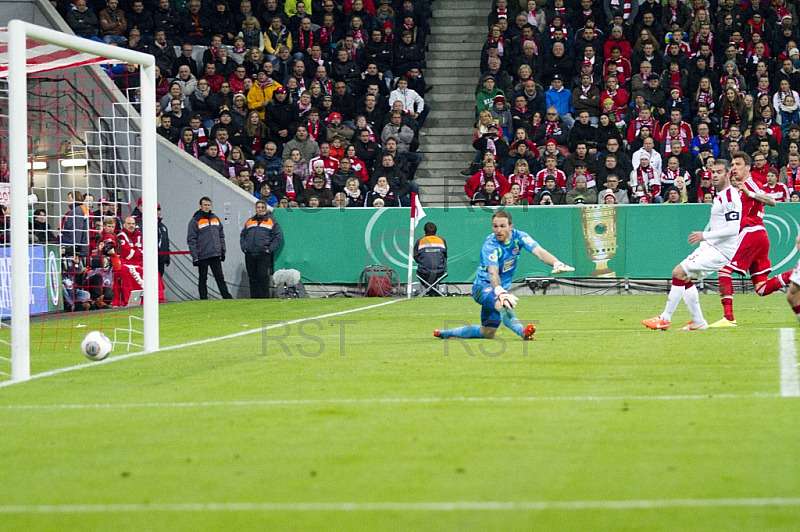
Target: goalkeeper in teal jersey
[{"x": 498, "y": 262}]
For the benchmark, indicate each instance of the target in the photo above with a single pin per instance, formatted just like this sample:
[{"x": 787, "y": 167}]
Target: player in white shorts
[
  {"x": 793, "y": 295},
  {"x": 717, "y": 248}
]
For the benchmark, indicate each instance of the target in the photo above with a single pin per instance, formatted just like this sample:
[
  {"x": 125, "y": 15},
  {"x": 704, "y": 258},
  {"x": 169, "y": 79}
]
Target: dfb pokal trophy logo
[{"x": 600, "y": 236}]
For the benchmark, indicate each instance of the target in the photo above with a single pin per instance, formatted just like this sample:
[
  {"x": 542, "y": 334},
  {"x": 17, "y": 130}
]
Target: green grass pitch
[{"x": 597, "y": 424}]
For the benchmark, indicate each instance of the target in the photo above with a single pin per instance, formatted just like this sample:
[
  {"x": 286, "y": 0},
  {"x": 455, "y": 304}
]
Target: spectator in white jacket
[
  {"x": 648, "y": 149},
  {"x": 413, "y": 103}
]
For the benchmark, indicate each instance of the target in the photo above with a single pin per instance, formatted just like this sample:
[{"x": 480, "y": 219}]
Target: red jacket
[
  {"x": 476, "y": 182},
  {"x": 624, "y": 47},
  {"x": 130, "y": 247}
]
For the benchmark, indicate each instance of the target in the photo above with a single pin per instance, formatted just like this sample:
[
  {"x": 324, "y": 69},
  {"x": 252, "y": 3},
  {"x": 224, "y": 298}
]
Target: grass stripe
[
  {"x": 444, "y": 506},
  {"x": 388, "y": 400},
  {"x": 790, "y": 380}
]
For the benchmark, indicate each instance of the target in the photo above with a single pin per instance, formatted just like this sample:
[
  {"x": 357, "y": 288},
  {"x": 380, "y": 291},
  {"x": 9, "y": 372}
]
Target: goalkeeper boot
[
  {"x": 656, "y": 323},
  {"x": 724, "y": 322},
  {"x": 528, "y": 331},
  {"x": 437, "y": 333}
]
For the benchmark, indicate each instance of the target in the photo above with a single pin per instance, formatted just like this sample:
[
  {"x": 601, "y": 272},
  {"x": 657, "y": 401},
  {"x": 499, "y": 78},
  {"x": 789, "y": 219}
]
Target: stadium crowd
[
  {"x": 316, "y": 103},
  {"x": 628, "y": 101},
  {"x": 321, "y": 103}
]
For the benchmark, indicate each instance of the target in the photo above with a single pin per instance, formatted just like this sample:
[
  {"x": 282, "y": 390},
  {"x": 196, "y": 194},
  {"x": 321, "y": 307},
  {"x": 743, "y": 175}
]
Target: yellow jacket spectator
[{"x": 261, "y": 92}]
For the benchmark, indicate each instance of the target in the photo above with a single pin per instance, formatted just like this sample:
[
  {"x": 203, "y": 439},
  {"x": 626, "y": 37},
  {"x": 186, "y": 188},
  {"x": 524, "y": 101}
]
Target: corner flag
[{"x": 417, "y": 213}]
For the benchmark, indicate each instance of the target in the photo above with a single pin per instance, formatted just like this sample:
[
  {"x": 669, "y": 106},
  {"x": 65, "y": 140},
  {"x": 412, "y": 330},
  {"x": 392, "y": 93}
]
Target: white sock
[
  {"x": 674, "y": 297},
  {"x": 692, "y": 299}
]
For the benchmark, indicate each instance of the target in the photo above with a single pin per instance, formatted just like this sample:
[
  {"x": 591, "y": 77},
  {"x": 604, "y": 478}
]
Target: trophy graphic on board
[{"x": 600, "y": 236}]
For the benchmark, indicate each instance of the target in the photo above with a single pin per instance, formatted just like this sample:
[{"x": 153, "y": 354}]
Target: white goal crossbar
[{"x": 19, "y": 33}]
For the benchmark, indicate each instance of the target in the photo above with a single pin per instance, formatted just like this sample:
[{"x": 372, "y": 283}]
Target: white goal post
[{"x": 18, "y": 34}]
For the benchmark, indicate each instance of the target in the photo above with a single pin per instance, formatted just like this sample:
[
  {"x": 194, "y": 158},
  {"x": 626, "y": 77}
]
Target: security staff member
[{"x": 260, "y": 239}]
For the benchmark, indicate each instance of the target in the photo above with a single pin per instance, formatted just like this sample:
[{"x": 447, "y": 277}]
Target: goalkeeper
[{"x": 499, "y": 256}]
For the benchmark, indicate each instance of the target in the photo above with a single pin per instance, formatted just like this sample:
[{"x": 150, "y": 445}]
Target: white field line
[
  {"x": 790, "y": 380},
  {"x": 386, "y": 401},
  {"x": 199, "y": 342},
  {"x": 444, "y": 506}
]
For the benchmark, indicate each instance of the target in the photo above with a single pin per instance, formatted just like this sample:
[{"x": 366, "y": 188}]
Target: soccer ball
[{"x": 96, "y": 345}]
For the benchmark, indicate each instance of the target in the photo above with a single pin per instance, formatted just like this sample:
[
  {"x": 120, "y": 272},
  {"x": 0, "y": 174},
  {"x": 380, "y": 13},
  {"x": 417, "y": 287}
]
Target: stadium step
[
  {"x": 458, "y": 30},
  {"x": 453, "y": 64},
  {"x": 456, "y": 156},
  {"x": 441, "y": 144},
  {"x": 451, "y": 13},
  {"x": 473, "y": 57},
  {"x": 453, "y": 80},
  {"x": 434, "y": 121},
  {"x": 456, "y": 18},
  {"x": 449, "y": 93},
  {"x": 456, "y": 46},
  {"x": 440, "y": 163},
  {"x": 445, "y": 135},
  {"x": 448, "y": 104}
]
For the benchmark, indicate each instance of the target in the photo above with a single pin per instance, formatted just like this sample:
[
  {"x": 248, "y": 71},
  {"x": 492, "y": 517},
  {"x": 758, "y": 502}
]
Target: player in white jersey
[
  {"x": 717, "y": 248},
  {"x": 793, "y": 295}
]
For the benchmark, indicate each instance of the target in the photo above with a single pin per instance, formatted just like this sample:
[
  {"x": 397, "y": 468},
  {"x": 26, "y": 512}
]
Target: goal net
[{"x": 72, "y": 172}]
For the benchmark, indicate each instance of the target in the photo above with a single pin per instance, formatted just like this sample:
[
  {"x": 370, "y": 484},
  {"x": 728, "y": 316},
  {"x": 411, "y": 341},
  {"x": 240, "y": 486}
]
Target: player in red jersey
[
  {"x": 130, "y": 253},
  {"x": 752, "y": 252}
]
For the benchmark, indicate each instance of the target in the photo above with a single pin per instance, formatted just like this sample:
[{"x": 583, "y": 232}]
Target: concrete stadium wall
[{"x": 182, "y": 181}]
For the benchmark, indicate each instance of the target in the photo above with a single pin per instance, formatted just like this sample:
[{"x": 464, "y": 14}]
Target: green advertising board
[{"x": 626, "y": 241}]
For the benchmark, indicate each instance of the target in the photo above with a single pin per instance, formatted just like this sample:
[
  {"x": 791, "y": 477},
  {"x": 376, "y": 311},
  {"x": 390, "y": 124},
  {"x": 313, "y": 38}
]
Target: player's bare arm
[
  {"x": 494, "y": 276},
  {"x": 758, "y": 196},
  {"x": 550, "y": 259},
  {"x": 544, "y": 256}
]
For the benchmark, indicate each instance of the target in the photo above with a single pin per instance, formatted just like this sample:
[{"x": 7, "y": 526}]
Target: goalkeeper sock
[
  {"x": 469, "y": 331},
  {"x": 674, "y": 297},
  {"x": 511, "y": 321}
]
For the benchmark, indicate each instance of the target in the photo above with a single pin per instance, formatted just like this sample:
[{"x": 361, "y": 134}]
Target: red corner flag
[{"x": 417, "y": 213}]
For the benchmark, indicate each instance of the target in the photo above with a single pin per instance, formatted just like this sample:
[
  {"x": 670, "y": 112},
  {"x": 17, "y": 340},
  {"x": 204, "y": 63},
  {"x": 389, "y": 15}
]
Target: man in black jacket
[
  {"x": 260, "y": 238},
  {"x": 398, "y": 181},
  {"x": 168, "y": 19},
  {"x": 163, "y": 243},
  {"x": 206, "y": 240}
]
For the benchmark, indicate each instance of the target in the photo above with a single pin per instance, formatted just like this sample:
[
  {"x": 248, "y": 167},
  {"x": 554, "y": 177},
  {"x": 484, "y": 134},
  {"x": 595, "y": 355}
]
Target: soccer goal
[{"x": 68, "y": 140}]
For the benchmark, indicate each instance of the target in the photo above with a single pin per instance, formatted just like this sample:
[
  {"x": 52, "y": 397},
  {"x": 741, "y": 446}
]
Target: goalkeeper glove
[
  {"x": 507, "y": 299},
  {"x": 560, "y": 267}
]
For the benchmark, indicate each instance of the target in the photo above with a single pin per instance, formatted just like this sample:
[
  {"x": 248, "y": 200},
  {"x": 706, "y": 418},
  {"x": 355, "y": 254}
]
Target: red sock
[
  {"x": 774, "y": 284},
  {"x": 726, "y": 293}
]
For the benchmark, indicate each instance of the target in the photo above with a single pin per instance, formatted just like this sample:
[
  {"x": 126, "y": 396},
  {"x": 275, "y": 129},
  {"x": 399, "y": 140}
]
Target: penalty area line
[
  {"x": 197, "y": 342},
  {"x": 443, "y": 506},
  {"x": 790, "y": 379},
  {"x": 387, "y": 401}
]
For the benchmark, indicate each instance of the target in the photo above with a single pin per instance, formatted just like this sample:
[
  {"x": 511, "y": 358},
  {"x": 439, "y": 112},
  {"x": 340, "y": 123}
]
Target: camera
[{"x": 548, "y": 202}]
